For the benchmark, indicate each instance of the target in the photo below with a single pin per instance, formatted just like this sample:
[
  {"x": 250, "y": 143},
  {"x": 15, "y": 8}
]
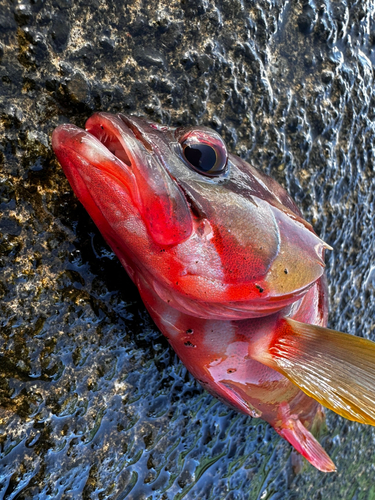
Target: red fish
[{"x": 229, "y": 270}]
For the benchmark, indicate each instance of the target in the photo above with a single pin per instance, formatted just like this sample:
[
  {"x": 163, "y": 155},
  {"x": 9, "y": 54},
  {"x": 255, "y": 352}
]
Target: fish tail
[
  {"x": 335, "y": 368},
  {"x": 303, "y": 441}
]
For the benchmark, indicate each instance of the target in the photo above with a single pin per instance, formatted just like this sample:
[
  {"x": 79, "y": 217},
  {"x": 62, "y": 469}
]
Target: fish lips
[{"x": 116, "y": 146}]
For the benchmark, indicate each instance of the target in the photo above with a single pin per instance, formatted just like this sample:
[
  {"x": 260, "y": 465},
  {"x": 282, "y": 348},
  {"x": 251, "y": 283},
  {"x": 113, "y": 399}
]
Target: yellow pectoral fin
[{"x": 335, "y": 368}]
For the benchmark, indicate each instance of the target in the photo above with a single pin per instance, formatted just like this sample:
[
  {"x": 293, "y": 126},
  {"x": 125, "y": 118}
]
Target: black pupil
[{"x": 201, "y": 156}]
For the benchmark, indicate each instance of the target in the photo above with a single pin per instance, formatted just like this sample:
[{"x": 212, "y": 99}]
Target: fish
[{"x": 227, "y": 267}]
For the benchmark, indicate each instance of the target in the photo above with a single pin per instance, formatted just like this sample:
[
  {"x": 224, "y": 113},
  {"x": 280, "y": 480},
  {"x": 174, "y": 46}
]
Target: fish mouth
[
  {"x": 131, "y": 152},
  {"x": 120, "y": 135},
  {"x": 100, "y": 144}
]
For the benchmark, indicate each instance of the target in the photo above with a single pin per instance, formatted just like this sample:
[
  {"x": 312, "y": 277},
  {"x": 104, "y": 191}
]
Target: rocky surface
[{"x": 93, "y": 402}]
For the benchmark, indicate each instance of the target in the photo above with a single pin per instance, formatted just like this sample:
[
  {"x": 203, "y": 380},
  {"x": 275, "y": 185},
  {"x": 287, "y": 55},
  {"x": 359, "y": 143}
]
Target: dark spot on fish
[
  {"x": 260, "y": 288},
  {"x": 189, "y": 331},
  {"x": 189, "y": 344},
  {"x": 231, "y": 370},
  {"x": 286, "y": 271},
  {"x": 101, "y": 126},
  {"x": 176, "y": 282}
]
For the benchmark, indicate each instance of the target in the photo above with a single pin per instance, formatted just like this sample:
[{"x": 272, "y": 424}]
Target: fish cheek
[
  {"x": 247, "y": 239},
  {"x": 244, "y": 231},
  {"x": 167, "y": 219}
]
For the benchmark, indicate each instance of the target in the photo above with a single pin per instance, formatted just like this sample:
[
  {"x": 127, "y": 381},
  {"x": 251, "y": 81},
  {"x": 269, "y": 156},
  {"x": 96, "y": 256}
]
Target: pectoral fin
[{"x": 335, "y": 368}]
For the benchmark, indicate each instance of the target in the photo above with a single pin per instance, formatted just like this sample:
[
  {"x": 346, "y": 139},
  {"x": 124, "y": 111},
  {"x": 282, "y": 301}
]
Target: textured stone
[{"x": 93, "y": 402}]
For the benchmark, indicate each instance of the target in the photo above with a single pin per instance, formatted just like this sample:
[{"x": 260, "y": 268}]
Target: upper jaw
[
  {"x": 78, "y": 149},
  {"x": 118, "y": 146}
]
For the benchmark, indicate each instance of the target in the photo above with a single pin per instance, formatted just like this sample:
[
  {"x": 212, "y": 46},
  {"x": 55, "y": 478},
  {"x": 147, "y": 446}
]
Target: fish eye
[
  {"x": 201, "y": 156},
  {"x": 204, "y": 150}
]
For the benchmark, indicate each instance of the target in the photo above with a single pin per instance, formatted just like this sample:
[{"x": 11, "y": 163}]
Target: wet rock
[
  {"x": 7, "y": 21},
  {"x": 23, "y": 14},
  {"x": 148, "y": 56},
  {"x": 59, "y": 33},
  {"x": 93, "y": 402},
  {"x": 306, "y": 20},
  {"x": 10, "y": 226},
  {"x": 64, "y": 4},
  {"x": 12, "y": 116},
  {"x": 107, "y": 44},
  {"x": 78, "y": 88},
  {"x": 327, "y": 76}
]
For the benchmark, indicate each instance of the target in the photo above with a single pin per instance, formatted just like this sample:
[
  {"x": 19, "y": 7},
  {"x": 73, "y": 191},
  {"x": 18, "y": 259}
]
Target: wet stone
[
  {"x": 59, "y": 33},
  {"x": 23, "y": 14},
  {"x": 10, "y": 226},
  {"x": 148, "y": 56},
  {"x": 107, "y": 44},
  {"x": 64, "y": 4},
  {"x": 306, "y": 21},
  {"x": 7, "y": 21},
  {"x": 78, "y": 88},
  {"x": 94, "y": 404},
  {"x": 327, "y": 76}
]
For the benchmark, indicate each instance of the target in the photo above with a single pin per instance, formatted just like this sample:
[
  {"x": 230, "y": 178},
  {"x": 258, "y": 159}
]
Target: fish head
[{"x": 214, "y": 236}]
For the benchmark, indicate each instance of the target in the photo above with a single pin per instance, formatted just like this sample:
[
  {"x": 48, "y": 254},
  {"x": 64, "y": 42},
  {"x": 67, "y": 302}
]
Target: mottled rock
[
  {"x": 59, "y": 33},
  {"x": 93, "y": 403},
  {"x": 78, "y": 88}
]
